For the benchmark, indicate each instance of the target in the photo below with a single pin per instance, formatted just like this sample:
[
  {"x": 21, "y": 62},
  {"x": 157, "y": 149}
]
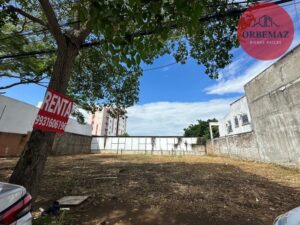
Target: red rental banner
[{"x": 54, "y": 112}]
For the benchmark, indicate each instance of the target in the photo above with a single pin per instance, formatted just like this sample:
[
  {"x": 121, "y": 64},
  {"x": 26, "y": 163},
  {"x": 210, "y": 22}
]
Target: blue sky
[{"x": 176, "y": 96}]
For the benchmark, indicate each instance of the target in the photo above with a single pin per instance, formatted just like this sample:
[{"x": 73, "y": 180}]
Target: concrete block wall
[
  {"x": 12, "y": 144},
  {"x": 71, "y": 144},
  {"x": 243, "y": 146},
  {"x": 274, "y": 102}
]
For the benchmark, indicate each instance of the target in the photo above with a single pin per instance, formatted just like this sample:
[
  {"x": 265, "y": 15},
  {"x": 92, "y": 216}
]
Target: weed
[{"x": 50, "y": 220}]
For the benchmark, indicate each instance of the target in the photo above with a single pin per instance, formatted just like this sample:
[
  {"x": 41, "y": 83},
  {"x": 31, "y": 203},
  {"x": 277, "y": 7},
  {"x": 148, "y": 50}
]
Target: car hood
[
  {"x": 290, "y": 218},
  {"x": 10, "y": 194}
]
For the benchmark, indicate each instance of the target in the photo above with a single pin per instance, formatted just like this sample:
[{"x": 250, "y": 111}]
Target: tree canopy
[
  {"x": 201, "y": 129},
  {"x": 93, "y": 51},
  {"x": 121, "y": 35}
]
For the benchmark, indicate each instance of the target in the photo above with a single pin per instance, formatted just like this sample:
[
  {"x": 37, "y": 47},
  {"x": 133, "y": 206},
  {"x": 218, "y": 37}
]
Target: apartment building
[{"x": 104, "y": 124}]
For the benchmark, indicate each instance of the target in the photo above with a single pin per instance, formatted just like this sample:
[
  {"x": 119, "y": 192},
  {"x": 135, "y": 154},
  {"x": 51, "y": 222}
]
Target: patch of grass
[{"x": 50, "y": 220}]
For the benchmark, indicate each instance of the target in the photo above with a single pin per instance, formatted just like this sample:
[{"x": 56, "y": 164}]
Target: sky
[{"x": 175, "y": 96}]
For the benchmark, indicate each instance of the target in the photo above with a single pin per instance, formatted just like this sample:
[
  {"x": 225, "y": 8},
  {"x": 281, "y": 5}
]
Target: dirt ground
[{"x": 144, "y": 190}]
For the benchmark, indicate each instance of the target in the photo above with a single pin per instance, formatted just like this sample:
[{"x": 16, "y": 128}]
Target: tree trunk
[{"x": 29, "y": 169}]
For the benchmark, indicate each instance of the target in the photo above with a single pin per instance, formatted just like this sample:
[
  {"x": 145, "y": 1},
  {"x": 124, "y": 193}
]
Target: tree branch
[
  {"x": 217, "y": 15},
  {"x": 84, "y": 32},
  {"x": 9, "y": 75},
  {"x": 24, "y": 81},
  {"x": 52, "y": 22},
  {"x": 235, "y": 12},
  {"x": 76, "y": 16},
  {"x": 27, "y": 15}
]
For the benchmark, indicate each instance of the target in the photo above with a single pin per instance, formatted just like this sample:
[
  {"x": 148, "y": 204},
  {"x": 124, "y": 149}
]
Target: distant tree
[
  {"x": 201, "y": 129},
  {"x": 125, "y": 135}
]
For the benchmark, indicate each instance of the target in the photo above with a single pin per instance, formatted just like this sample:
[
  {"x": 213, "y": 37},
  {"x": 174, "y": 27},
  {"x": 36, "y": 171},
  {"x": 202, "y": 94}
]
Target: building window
[
  {"x": 245, "y": 119},
  {"x": 229, "y": 127},
  {"x": 236, "y": 122}
]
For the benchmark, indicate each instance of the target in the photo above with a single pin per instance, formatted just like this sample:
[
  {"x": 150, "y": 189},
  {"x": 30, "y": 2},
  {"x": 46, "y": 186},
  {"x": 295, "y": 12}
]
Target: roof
[
  {"x": 17, "y": 101},
  {"x": 237, "y": 100}
]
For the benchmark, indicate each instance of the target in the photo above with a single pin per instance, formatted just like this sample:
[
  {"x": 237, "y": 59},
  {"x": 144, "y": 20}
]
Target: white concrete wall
[
  {"x": 15, "y": 116},
  {"x": 274, "y": 102},
  {"x": 237, "y": 109},
  {"x": 147, "y": 145},
  {"x": 18, "y": 117},
  {"x": 243, "y": 146},
  {"x": 76, "y": 128}
]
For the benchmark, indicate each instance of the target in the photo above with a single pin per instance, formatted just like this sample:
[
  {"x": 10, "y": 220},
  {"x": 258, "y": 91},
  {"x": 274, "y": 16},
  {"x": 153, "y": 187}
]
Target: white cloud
[
  {"x": 238, "y": 73},
  {"x": 244, "y": 68},
  {"x": 236, "y": 66},
  {"x": 168, "y": 118},
  {"x": 235, "y": 84}
]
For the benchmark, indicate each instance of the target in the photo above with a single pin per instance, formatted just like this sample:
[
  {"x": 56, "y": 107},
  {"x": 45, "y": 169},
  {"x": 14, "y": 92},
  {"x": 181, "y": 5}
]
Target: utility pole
[{"x": 118, "y": 120}]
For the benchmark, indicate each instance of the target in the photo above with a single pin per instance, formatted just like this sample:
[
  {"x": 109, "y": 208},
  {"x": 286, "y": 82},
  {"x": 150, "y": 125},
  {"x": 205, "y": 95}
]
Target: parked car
[
  {"x": 15, "y": 205},
  {"x": 290, "y": 218}
]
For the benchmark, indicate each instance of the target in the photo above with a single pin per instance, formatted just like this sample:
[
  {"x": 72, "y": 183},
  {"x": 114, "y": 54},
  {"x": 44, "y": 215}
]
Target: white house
[
  {"x": 18, "y": 117},
  {"x": 238, "y": 120}
]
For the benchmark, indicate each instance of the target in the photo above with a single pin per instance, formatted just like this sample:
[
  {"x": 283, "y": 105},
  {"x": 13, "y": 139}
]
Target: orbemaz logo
[
  {"x": 265, "y": 31},
  {"x": 267, "y": 22}
]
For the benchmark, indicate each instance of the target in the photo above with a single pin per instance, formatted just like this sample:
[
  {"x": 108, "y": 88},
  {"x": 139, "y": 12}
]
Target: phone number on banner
[{"x": 49, "y": 122}]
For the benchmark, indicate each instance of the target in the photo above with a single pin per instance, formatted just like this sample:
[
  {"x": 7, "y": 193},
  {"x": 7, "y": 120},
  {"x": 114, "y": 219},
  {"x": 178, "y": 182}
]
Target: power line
[
  {"x": 291, "y": 4},
  {"x": 35, "y": 32},
  {"x": 26, "y": 81},
  {"x": 44, "y": 51},
  {"x": 97, "y": 43},
  {"x": 236, "y": 12},
  {"x": 50, "y": 51},
  {"x": 32, "y": 53},
  {"x": 24, "y": 34},
  {"x": 146, "y": 70},
  {"x": 46, "y": 29},
  {"x": 297, "y": 16},
  {"x": 160, "y": 67}
]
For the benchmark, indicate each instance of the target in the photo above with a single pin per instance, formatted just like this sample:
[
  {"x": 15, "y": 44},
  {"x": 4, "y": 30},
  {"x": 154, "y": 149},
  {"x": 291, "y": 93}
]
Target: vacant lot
[{"x": 166, "y": 190}]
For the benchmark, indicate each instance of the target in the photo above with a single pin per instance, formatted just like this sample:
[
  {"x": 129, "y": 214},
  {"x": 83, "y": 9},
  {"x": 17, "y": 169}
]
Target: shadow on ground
[{"x": 128, "y": 190}]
